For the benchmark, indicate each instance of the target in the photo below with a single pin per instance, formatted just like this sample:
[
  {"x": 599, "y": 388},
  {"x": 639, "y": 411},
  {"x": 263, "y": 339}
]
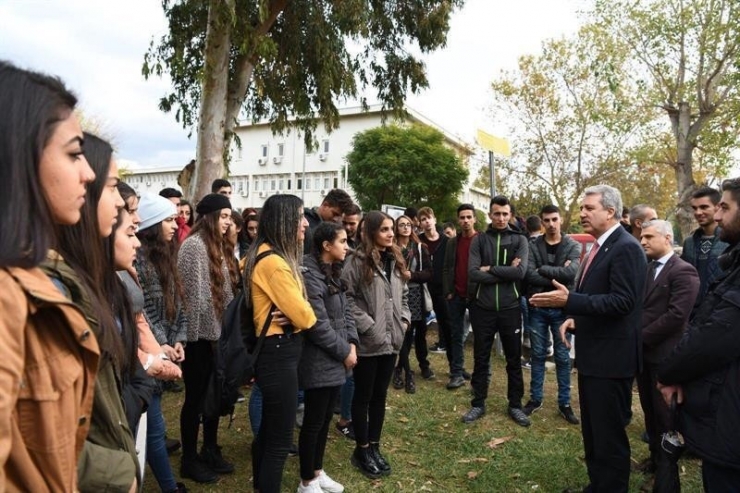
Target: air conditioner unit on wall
[
  {"x": 245, "y": 193},
  {"x": 322, "y": 157},
  {"x": 263, "y": 194},
  {"x": 262, "y": 161},
  {"x": 323, "y": 192},
  {"x": 277, "y": 160}
]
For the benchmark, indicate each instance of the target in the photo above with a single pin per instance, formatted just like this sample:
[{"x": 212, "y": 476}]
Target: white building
[{"x": 268, "y": 164}]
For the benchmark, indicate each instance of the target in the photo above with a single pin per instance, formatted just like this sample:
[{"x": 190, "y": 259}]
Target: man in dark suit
[
  {"x": 671, "y": 288},
  {"x": 604, "y": 312}
]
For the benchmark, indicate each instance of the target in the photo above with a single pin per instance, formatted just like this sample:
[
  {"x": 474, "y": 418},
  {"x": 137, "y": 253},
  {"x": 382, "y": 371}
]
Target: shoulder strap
[{"x": 268, "y": 320}]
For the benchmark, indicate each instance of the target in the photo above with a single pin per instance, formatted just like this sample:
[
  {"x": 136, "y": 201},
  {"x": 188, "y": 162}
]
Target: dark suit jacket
[
  {"x": 606, "y": 308},
  {"x": 666, "y": 307}
]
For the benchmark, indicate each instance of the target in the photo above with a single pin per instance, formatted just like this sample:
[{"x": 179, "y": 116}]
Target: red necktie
[{"x": 590, "y": 258}]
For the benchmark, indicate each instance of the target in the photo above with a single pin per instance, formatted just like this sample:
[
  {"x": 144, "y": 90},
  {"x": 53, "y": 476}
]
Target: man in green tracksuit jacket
[{"x": 498, "y": 260}]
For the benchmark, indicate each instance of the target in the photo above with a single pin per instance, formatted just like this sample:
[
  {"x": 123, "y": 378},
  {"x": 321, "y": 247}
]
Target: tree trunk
[
  {"x": 212, "y": 118},
  {"x": 681, "y": 121}
]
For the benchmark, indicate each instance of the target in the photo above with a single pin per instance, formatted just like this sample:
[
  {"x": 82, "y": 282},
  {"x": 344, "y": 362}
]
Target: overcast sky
[{"x": 97, "y": 48}]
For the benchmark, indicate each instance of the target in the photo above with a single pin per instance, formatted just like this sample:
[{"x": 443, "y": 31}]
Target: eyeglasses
[{"x": 404, "y": 225}]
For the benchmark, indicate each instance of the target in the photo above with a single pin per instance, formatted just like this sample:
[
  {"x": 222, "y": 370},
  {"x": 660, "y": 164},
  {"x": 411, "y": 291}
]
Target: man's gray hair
[
  {"x": 610, "y": 198},
  {"x": 639, "y": 212},
  {"x": 662, "y": 227}
]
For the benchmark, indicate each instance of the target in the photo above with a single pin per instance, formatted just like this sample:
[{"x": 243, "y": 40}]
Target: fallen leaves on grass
[
  {"x": 495, "y": 442},
  {"x": 472, "y": 474}
]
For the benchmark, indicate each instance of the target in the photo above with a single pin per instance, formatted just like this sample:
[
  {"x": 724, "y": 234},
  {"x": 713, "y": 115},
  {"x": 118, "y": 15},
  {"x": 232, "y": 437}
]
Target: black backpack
[{"x": 235, "y": 354}]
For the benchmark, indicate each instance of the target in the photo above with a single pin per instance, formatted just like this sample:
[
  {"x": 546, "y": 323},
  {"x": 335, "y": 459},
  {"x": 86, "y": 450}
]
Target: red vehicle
[{"x": 586, "y": 241}]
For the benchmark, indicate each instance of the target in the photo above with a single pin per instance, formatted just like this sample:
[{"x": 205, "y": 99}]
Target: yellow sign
[{"x": 494, "y": 144}]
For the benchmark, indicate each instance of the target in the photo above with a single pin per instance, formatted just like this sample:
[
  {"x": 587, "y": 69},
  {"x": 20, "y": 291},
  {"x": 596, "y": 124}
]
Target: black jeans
[
  {"x": 372, "y": 377},
  {"x": 719, "y": 479},
  {"x": 277, "y": 377},
  {"x": 416, "y": 335},
  {"x": 316, "y": 419},
  {"x": 196, "y": 375},
  {"x": 455, "y": 350},
  {"x": 439, "y": 302},
  {"x": 508, "y": 324}
]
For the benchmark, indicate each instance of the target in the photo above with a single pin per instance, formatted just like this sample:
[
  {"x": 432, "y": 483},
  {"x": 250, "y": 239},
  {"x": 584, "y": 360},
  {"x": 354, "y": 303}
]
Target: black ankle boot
[
  {"x": 197, "y": 470},
  {"x": 364, "y": 460},
  {"x": 216, "y": 461},
  {"x": 385, "y": 468}
]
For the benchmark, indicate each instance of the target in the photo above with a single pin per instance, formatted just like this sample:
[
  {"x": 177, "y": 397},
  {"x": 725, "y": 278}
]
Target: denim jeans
[
  {"x": 542, "y": 323},
  {"x": 255, "y": 409},
  {"x": 345, "y": 396},
  {"x": 156, "y": 449},
  {"x": 456, "y": 316},
  {"x": 277, "y": 376}
]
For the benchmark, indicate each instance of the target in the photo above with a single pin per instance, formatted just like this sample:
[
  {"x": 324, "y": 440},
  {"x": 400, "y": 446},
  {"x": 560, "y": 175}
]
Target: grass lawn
[{"x": 430, "y": 449}]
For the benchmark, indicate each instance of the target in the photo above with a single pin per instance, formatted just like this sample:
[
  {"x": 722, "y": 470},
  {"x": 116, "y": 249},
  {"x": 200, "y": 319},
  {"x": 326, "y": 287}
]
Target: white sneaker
[
  {"x": 328, "y": 485},
  {"x": 313, "y": 487}
]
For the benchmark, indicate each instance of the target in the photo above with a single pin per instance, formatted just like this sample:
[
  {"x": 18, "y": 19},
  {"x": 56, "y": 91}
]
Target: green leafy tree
[
  {"x": 287, "y": 61},
  {"x": 687, "y": 63},
  {"x": 573, "y": 121},
  {"x": 406, "y": 166}
]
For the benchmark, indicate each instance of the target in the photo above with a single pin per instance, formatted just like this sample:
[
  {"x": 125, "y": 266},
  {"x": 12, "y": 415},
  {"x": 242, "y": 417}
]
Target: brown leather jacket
[{"x": 48, "y": 364}]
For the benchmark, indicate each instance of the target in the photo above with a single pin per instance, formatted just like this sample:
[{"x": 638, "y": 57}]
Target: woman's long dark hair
[
  {"x": 31, "y": 105},
  {"x": 92, "y": 260},
  {"x": 368, "y": 250},
  {"x": 162, "y": 254},
  {"x": 279, "y": 222},
  {"x": 328, "y": 231},
  {"x": 191, "y": 218},
  {"x": 216, "y": 247}
]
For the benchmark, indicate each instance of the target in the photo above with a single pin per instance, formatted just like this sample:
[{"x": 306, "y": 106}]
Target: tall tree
[
  {"x": 285, "y": 60},
  {"x": 406, "y": 166},
  {"x": 572, "y": 119},
  {"x": 687, "y": 55}
]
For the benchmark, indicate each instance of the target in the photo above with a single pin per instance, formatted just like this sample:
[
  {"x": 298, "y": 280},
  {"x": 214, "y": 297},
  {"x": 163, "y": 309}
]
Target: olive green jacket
[{"x": 108, "y": 461}]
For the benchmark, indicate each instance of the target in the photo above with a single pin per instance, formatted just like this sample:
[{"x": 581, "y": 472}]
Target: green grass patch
[{"x": 430, "y": 449}]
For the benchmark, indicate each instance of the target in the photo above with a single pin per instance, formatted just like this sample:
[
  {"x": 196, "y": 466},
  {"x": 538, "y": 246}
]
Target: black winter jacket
[
  {"x": 497, "y": 289},
  {"x": 326, "y": 345},
  {"x": 706, "y": 362},
  {"x": 540, "y": 274}
]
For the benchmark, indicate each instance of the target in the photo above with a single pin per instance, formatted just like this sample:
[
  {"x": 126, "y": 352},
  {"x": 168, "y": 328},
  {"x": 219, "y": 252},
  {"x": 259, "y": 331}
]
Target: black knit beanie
[{"x": 213, "y": 202}]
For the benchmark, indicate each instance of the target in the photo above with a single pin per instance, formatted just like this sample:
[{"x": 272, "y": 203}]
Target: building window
[
  {"x": 325, "y": 146},
  {"x": 256, "y": 185},
  {"x": 298, "y": 183},
  {"x": 281, "y": 150},
  {"x": 280, "y": 184},
  {"x": 317, "y": 183},
  {"x": 308, "y": 183},
  {"x": 264, "y": 150},
  {"x": 288, "y": 184},
  {"x": 326, "y": 183},
  {"x": 336, "y": 182},
  {"x": 272, "y": 185}
]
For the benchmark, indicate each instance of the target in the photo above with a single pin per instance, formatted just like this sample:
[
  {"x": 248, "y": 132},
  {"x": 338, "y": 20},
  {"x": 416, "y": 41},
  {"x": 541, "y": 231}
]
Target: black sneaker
[
  {"x": 455, "y": 383},
  {"x": 293, "y": 450},
  {"x": 385, "y": 468},
  {"x": 347, "y": 431},
  {"x": 240, "y": 397},
  {"x": 531, "y": 407},
  {"x": 466, "y": 375},
  {"x": 473, "y": 414},
  {"x": 213, "y": 458},
  {"x": 397, "y": 380},
  {"x": 567, "y": 413},
  {"x": 179, "y": 488},
  {"x": 519, "y": 417},
  {"x": 198, "y": 471},
  {"x": 364, "y": 460},
  {"x": 427, "y": 373},
  {"x": 436, "y": 348}
]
